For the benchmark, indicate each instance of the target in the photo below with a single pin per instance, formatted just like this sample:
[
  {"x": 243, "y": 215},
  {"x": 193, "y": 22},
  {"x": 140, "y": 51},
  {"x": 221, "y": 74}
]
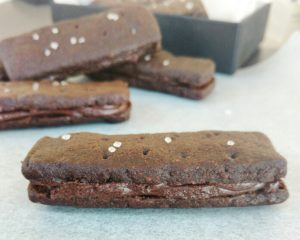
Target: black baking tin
[
  {"x": 37, "y": 2},
  {"x": 230, "y": 45}
]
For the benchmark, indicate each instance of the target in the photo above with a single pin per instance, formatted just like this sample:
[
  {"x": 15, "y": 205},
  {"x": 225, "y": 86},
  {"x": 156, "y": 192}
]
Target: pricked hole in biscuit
[
  {"x": 233, "y": 155},
  {"x": 104, "y": 34},
  {"x": 105, "y": 156},
  {"x": 76, "y": 26},
  {"x": 184, "y": 154},
  {"x": 146, "y": 151}
]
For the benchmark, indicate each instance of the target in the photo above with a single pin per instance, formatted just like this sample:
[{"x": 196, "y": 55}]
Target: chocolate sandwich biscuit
[
  {"x": 174, "y": 7},
  {"x": 3, "y": 76},
  {"x": 183, "y": 76},
  {"x": 166, "y": 170},
  {"x": 33, "y": 104},
  {"x": 81, "y": 45}
]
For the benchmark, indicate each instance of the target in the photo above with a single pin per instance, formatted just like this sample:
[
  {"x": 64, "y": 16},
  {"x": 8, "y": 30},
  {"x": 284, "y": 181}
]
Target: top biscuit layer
[
  {"x": 174, "y": 158},
  {"x": 82, "y": 45}
]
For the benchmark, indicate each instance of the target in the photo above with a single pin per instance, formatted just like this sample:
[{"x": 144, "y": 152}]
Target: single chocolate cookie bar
[
  {"x": 183, "y": 76},
  {"x": 82, "y": 45},
  {"x": 29, "y": 104},
  {"x": 166, "y": 170},
  {"x": 175, "y": 7},
  {"x": 3, "y": 76}
]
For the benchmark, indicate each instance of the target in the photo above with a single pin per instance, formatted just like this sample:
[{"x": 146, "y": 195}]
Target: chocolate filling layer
[
  {"x": 110, "y": 191},
  {"x": 90, "y": 112}
]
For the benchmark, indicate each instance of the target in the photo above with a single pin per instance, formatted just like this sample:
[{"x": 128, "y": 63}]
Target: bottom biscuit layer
[
  {"x": 126, "y": 195},
  {"x": 186, "y": 91}
]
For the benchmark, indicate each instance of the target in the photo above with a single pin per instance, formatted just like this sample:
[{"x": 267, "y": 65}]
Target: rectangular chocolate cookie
[
  {"x": 165, "y": 170},
  {"x": 34, "y": 104},
  {"x": 183, "y": 76},
  {"x": 175, "y": 7},
  {"x": 3, "y": 76},
  {"x": 81, "y": 45}
]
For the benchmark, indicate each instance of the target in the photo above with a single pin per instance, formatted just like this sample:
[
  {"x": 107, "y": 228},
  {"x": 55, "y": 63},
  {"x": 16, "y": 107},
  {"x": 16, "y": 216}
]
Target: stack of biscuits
[{"x": 116, "y": 48}]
